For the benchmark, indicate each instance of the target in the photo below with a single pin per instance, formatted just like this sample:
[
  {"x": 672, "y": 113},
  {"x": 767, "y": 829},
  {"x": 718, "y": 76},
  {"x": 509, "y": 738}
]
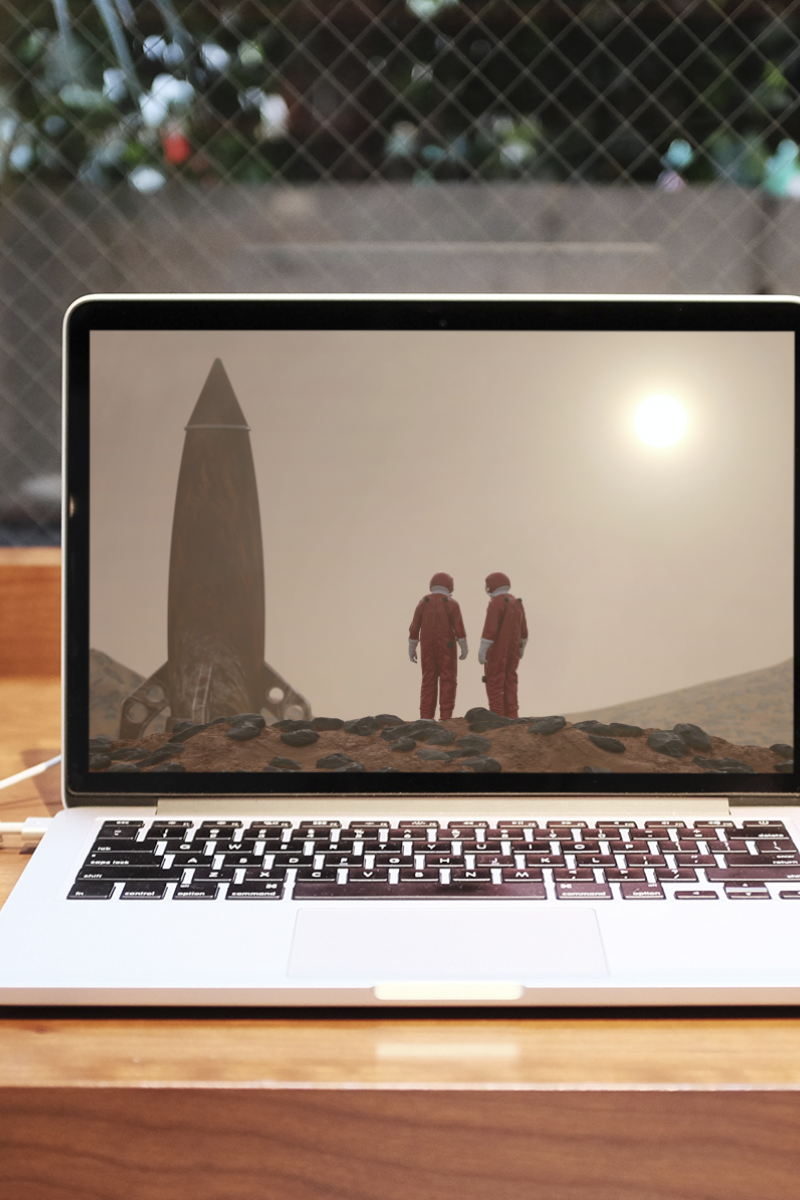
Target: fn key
[{"x": 101, "y": 890}]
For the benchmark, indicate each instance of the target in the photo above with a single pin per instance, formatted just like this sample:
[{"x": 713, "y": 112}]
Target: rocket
[{"x": 215, "y": 611}]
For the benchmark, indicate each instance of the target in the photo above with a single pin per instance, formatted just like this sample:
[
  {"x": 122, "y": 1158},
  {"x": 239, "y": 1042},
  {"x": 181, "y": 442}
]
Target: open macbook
[{"x": 429, "y": 650}]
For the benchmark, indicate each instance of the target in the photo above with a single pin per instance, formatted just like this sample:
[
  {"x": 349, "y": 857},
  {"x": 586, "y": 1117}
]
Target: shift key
[{"x": 754, "y": 874}]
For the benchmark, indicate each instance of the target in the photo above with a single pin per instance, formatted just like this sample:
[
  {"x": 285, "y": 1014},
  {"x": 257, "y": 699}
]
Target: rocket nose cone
[{"x": 217, "y": 406}]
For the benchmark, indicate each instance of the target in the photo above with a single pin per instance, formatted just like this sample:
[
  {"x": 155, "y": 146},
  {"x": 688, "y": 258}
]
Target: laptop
[{"x": 502, "y": 588}]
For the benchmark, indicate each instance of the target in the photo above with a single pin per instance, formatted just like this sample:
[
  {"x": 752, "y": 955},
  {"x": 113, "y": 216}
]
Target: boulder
[
  {"x": 403, "y": 745},
  {"x": 692, "y": 735},
  {"x": 547, "y": 725},
  {"x": 473, "y": 743},
  {"x": 784, "y": 768},
  {"x": 326, "y": 724},
  {"x": 286, "y": 764},
  {"x": 250, "y": 718},
  {"x": 289, "y": 726},
  {"x": 479, "y": 714},
  {"x": 243, "y": 731},
  {"x": 432, "y": 755},
  {"x": 300, "y": 737},
  {"x": 483, "y": 765},
  {"x": 100, "y": 744},
  {"x": 440, "y": 737},
  {"x": 363, "y": 726},
  {"x": 620, "y": 729},
  {"x": 128, "y": 755},
  {"x": 728, "y": 766},
  {"x": 611, "y": 745},
  {"x": 664, "y": 741},
  {"x": 782, "y": 748},
  {"x": 120, "y": 767},
  {"x": 389, "y": 719},
  {"x": 332, "y": 762}
]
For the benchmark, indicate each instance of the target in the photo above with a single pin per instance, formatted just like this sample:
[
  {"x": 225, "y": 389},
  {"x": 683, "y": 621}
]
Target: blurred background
[{"x": 377, "y": 145}]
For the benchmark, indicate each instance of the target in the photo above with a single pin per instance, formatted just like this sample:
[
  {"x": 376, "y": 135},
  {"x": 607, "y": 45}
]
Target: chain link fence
[{"x": 366, "y": 145}]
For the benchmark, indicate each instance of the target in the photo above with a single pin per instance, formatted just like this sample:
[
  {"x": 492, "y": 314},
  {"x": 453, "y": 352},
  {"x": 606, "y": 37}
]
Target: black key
[
  {"x": 214, "y": 830},
  {"x": 625, "y": 847},
  {"x": 676, "y": 874},
  {"x": 522, "y": 874},
  {"x": 753, "y": 830},
  {"x": 223, "y": 875},
  {"x": 91, "y": 891},
  {"x": 120, "y": 845},
  {"x": 242, "y": 860},
  {"x": 696, "y": 895},
  {"x": 372, "y": 826},
  {"x": 418, "y": 823},
  {"x": 133, "y": 858},
  {"x": 561, "y": 874},
  {"x": 256, "y": 889},
  {"x": 584, "y": 847},
  {"x": 626, "y": 874},
  {"x": 368, "y": 889},
  {"x": 772, "y": 826},
  {"x": 264, "y": 873},
  {"x": 544, "y": 860},
  {"x": 282, "y": 859},
  {"x": 267, "y": 830},
  {"x": 616, "y": 824},
  {"x": 754, "y": 874},
  {"x": 567, "y": 826},
  {"x": 646, "y": 860},
  {"x": 135, "y": 874},
  {"x": 665, "y": 824},
  {"x": 307, "y": 873},
  {"x": 196, "y": 891},
  {"x": 517, "y": 823},
  {"x": 789, "y": 895},
  {"x": 763, "y": 860},
  {"x": 408, "y": 873},
  {"x": 492, "y": 860},
  {"x": 404, "y": 834},
  {"x": 165, "y": 830},
  {"x": 322, "y": 823},
  {"x": 194, "y": 859},
  {"x": 583, "y": 891},
  {"x": 448, "y": 860},
  {"x": 642, "y": 891},
  {"x": 746, "y": 891},
  {"x": 478, "y": 876},
  {"x": 123, "y": 828},
  {"x": 600, "y": 860},
  {"x": 363, "y": 876},
  {"x": 144, "y": 891},
  {"x": 695, "y": 860}
]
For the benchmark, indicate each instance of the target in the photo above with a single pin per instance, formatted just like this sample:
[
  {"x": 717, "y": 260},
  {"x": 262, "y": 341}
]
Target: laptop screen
[{"x": 549, "y": 557}]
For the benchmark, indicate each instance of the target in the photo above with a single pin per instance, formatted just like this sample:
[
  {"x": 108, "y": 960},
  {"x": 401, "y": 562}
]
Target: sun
[{"x": 660, "y": 421}]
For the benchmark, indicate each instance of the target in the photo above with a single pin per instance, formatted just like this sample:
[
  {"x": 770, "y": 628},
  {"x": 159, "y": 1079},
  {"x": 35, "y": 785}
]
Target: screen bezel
[{"x": 470, "y": 313}]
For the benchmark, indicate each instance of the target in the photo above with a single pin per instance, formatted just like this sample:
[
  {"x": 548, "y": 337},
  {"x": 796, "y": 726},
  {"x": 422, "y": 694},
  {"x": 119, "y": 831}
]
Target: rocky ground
[{"x": 479, "y": 741}]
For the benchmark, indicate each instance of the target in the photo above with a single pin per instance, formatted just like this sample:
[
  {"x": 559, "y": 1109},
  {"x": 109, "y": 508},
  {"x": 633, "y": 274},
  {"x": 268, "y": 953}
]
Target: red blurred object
[{"x": 176, "y": 147}]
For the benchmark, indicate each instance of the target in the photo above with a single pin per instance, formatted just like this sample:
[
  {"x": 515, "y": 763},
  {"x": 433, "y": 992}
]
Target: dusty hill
[{"x": 754, "y": 709}]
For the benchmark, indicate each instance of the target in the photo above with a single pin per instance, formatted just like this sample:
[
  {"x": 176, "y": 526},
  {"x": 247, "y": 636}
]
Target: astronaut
[
  {"x": 505, "y": 636},
  {"x": 438, "y": 625}
]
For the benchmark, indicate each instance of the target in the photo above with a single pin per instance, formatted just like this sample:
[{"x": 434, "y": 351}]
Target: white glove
[
  {"x": 412, "y": 649},
  {"x": 522, "y": 645},
  {"x": 483, "y": 650},
  {"x": 462, "y": 645}
]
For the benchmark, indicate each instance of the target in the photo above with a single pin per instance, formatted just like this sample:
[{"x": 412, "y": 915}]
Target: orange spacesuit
[
  {"x": 505, "y": 635},
  {"x": 437, "y": 625}
]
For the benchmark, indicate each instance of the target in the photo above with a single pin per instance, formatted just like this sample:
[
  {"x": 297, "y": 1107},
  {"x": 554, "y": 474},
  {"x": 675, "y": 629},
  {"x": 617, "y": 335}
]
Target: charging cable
[{"x": 32, "y": 829}]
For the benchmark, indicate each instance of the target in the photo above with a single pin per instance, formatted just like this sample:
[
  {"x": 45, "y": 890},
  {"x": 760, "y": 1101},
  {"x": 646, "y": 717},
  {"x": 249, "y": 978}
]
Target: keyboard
[{"x": 417, "y": 859}]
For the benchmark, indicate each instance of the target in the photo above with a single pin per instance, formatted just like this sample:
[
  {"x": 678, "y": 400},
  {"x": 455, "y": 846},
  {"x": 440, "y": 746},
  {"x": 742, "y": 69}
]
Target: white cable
[
  {"x": 31, "y": 830},
  {"x": 30, "y": 772}
]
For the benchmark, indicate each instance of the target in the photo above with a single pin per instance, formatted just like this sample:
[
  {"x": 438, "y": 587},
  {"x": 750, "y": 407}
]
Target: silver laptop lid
[{"x": 274, "y": 506}]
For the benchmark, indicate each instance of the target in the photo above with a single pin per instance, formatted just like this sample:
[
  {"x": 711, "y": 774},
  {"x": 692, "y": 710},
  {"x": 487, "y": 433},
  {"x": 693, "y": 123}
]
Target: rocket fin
[
  {"x": 280, "y": 698},
  {"x": 144, "y": 703}
]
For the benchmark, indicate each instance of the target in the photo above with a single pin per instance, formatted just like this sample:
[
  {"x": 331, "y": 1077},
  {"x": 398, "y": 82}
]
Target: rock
[
  {"x": 389, "y": 719},
  {"x": 620, "y": 729},
  {"x": 158, "y": 756},
  {"x": 276, "y": 770},
  {"x": 785, "y": 768},
  {"x": 587, "y": 770},
  {"x": 546, "y": 725},
  {"x": 286, "y": 764},
  {"x": 289, "y": 726},
  {"x": 473, "y": 743},
  {"x": 250, "y": 718},
  {"x": 97, "y": 745},
  {"x": 664, "y": 741},
  {"x": 483, "y": 765},
  {"x": 189, "y": 730},
  {"x": 692, "y": 735},
  {"x": 129, "y": 754},
  {"x": 300, "y": 737},
  {"x": 169, "y": 766},
  {"x": 363, "y": 726},
  {"x": 119, "y": 767},
  {"x": 781, "y": 748},
  {"x": 351, "y": 766},
  {"x": 440, "y": 737},
  {"x": 432, "y": 755},
  {"x": 386, "y": 771},
  {"x": 244, "y": 731},
  {"x": 611, "y": 745},
  {"x": 403, "y": 745},
  {"x": 483, "y": 726},
  {"x": 478, "y": 714},
  {"x": 324, "y": 724},
  {"x": 179, "y": 726},
  {"x": 727, "y": 766},
  {"x": 594, "y": 727},
  {"x": 391, "y": 733},
  {"x": 332, "y": 762}
]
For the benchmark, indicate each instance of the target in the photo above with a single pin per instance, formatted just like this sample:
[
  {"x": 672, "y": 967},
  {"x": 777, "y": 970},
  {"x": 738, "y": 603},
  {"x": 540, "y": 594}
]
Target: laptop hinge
[{"x": 462, "y": 806}]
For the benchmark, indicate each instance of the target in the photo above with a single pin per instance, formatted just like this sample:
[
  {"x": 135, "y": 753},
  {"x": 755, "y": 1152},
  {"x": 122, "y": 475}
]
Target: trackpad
[{"x": 427, "y": 942}]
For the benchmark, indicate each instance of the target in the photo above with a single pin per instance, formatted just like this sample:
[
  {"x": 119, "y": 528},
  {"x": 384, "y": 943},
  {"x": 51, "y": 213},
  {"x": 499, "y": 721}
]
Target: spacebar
[{"x": 416, "y": 890}]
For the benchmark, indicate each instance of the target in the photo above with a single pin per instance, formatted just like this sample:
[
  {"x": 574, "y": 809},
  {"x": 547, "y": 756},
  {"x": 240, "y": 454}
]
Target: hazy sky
[{"x": 382, "y": 458}]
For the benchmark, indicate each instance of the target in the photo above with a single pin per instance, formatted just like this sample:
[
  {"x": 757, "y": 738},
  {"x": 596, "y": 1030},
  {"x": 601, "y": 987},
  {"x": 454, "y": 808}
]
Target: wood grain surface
[
  {"x": 30, "y": 611},
  {"x": 256, "y": 1106}
]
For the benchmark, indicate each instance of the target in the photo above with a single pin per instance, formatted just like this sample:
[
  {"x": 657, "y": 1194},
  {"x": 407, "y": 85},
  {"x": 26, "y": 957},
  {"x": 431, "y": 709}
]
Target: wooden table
[{"x": 265, "y": 1106}]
